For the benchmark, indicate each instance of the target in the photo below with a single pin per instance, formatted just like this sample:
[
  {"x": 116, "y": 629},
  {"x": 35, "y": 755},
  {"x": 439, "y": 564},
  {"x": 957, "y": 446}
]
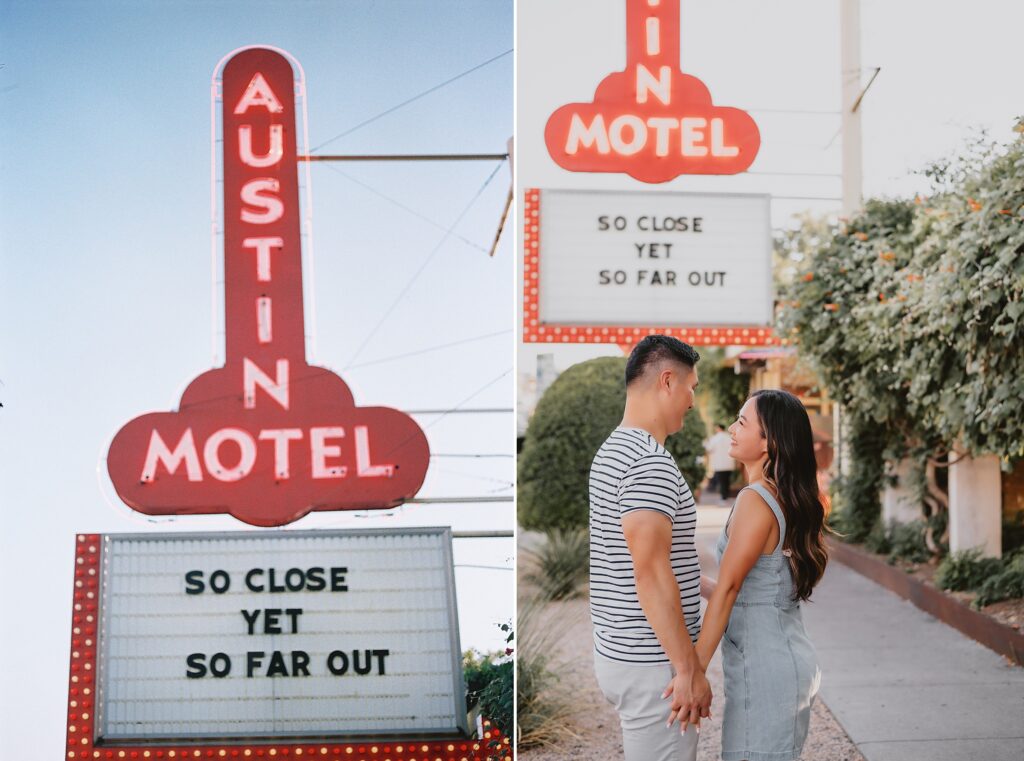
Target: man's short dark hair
[{"x": 653, "y": 349}]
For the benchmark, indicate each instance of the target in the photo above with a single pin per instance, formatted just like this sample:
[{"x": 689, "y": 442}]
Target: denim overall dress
[{"x": 771, "y": 669}]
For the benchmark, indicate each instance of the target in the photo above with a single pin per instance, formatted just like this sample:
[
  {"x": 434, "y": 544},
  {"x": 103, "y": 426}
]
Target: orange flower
[
  {"x": 860, "y": 236},
  {"x": 809, "y": 277},
  {"x": 881, "y": 297},
  {"x": 913, "y": 278},
  {"x": 1005, "y": 211},
  {"x": 975, "y": 206},
  {"x": 887, "y": 256},
  {"x": 832, "y": 307}
]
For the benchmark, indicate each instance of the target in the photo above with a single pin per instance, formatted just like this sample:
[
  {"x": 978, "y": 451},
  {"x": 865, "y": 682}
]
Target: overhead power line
[
  {"x": 413, "y": 99},
  {"x": 403, "y": 207},
  {"x": 457, "y": 411},
  {"x": 444, "y": 413},
  {"x": 455, "y": 500},
  {"x": 408, "y": 157},
  {"x": 467, "y": 455},
  {"x": 422, "y": 267},
  {"x": 429, "y": 349}
]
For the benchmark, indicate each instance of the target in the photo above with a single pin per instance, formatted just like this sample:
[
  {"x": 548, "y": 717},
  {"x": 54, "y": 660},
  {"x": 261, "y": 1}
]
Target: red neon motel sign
[
  {"x": 267, "y": 437},
  {"x": 652, "y": 121}
]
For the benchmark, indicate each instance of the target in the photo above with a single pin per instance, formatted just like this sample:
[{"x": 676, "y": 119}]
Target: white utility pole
[
  {"x": 850, "y": 71},
  {"x": 850, "y": 77}
]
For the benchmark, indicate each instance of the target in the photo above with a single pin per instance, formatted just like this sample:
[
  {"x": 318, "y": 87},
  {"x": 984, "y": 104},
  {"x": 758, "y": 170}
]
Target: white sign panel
[
  {"x": 650, "y": 258},
  {"x": 284, "y": 634}
]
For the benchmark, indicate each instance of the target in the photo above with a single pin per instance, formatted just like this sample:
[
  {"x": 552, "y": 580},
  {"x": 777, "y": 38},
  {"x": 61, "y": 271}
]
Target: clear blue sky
[{"x": 105, "y": 285}]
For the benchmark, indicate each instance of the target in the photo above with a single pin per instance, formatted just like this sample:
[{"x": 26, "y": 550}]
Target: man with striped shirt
[{"x": 644, "y": 574}]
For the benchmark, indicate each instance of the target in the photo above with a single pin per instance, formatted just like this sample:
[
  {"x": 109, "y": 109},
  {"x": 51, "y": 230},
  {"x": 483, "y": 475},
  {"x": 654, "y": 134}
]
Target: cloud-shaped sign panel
[
  {"x": 233, "y": 447},
  {"x": 267, "y": 438},
  {"x": 652, "y": 121}
]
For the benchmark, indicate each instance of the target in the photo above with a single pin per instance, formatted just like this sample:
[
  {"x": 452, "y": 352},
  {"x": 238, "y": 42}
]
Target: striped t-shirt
[{"x": 632, "y": 471}]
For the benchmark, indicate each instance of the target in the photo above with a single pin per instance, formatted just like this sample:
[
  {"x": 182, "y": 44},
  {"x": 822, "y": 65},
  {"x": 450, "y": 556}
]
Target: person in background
[{"x": 720, "y": 462}]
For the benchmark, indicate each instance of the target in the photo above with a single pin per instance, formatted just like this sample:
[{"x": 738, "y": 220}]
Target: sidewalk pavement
[{"x": 903, "y": 685}]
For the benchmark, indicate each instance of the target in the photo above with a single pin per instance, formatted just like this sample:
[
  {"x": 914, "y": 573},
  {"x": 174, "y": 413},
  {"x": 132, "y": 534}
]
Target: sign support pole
[
  {"x": 850, "y": 70},
  {"x": 852, "y": 171}
]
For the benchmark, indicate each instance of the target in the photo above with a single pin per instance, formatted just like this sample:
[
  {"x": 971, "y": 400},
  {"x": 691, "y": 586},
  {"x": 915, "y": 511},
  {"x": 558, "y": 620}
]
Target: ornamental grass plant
[
  {"x": 560, "y": 566},
  {"x": 545, "y": 705}
]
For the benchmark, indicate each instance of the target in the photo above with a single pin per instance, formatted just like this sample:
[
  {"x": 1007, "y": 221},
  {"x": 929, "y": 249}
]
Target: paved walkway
[{"x": 903, "y": 685}]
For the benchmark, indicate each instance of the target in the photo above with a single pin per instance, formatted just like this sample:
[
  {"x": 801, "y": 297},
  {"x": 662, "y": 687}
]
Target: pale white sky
[{"x": 948, "y": 69}]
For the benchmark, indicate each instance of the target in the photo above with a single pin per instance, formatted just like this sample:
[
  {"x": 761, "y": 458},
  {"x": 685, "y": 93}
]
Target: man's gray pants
[{"x": 635, "y": 691}]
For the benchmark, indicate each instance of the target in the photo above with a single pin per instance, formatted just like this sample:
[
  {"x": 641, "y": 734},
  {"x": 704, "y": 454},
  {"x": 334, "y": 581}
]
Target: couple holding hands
[{"x": 651, "y": 648}]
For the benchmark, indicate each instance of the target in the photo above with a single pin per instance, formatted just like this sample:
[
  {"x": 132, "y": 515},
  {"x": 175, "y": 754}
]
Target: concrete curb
[{"x": 1001, "y": 638}]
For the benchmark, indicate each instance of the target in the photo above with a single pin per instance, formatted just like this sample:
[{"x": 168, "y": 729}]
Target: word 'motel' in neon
[
  {"x": 267, "y": 437},
  {"x": 651, "y": 121}
]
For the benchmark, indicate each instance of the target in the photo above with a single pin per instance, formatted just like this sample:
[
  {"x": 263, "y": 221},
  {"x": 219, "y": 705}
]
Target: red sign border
[
  {"x": 535, "y": 331},
  {"x": 81, "y": 716}
]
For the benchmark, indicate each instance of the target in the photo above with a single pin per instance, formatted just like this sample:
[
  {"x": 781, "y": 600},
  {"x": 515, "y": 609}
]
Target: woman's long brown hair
[{"x": 792, "y": 472}]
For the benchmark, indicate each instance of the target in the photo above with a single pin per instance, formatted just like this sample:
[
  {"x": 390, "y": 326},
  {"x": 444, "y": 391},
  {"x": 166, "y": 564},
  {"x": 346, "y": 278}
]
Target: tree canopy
[{"x": 911, "y": 311}]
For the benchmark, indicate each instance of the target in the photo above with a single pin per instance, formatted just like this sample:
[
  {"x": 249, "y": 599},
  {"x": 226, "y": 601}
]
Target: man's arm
[{"x": 648, "y": 536}]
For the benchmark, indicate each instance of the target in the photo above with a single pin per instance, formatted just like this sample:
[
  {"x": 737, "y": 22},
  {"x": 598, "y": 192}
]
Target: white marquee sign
[
  {"x": 284, "y": 634},
  {"x": 653, "y": 258}
]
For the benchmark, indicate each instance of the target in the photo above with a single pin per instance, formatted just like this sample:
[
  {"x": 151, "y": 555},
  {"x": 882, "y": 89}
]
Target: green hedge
[{"x": 572, "y": 420}]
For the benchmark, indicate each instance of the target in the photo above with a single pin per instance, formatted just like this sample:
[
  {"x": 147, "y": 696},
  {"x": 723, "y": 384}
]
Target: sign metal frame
[
  {"x": 537, "y": 331},
  {"x": 83, "y": 720}
]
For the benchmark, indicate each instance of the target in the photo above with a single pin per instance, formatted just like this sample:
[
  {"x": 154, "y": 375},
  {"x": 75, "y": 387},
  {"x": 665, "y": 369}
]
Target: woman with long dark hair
[{"x": 771, "y": 554}]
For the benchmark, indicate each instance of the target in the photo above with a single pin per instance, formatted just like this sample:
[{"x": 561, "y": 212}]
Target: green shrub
[
  {"x": 856, "y": 501},
  {"x": 496, "y": 700},
  {"x": 489, "y": 685},
  {"x": 562, "y": 563},
  {"x": 900, "y": 541},
  {"x": 878, "y": 539},
  {"x": 1006, "y": 584},
  {"x": 906, "y": 541},
  {"x": 479, "y": 670},
  {"x": 960, "y": 571},
  {"x": 573, "y": 418}
]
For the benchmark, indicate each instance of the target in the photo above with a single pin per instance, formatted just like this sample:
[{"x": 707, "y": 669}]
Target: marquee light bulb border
[{"x": 81, "y": 714}]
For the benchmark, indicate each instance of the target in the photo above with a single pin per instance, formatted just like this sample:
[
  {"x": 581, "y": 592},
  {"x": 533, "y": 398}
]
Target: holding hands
[{"x": 691, "y": 698}]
